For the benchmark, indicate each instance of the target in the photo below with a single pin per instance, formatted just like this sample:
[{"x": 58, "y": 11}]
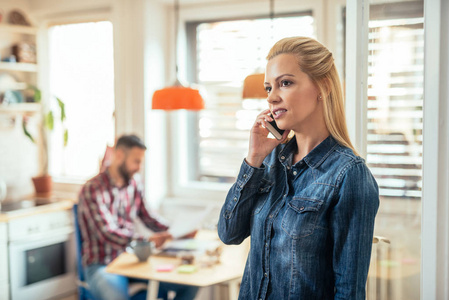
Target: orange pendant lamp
[
  {"x": 253, "y": 87},
  {"x": 177, "y": 96}
]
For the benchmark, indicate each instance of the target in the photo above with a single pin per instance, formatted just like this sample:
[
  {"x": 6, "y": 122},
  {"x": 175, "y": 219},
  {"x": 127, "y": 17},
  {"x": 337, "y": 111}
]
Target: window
[
  {"x": 82, "y": 76},
  {"x": 225, "y": 53}
]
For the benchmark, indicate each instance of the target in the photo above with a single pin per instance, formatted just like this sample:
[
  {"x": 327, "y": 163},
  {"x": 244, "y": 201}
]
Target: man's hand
[
  {"x": 159, "y": 238},
  {"x": 189, "y": 235}
]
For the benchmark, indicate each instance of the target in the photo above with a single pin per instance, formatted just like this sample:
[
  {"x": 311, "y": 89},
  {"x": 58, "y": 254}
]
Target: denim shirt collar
[{"x": 315, "y": 157}]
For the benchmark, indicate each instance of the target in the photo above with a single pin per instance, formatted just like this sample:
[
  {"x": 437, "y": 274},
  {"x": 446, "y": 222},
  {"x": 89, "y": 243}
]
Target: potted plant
[{"x": 43, "y": 182}]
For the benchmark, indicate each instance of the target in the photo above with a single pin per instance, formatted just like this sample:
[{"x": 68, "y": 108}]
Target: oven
[{"x": 42, "y": 260}]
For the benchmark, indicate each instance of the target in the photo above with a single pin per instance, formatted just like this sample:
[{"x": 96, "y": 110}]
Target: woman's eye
[
  {"x": 285, "y": 83},
  {"x": 268, "y": 89}
]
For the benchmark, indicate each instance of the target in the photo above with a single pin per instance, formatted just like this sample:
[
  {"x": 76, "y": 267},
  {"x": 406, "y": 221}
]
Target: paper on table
[
  {"x": 186, "y": 223},
  {"x": 186, "y": 269},
  {"x": 165, "y": 268}
]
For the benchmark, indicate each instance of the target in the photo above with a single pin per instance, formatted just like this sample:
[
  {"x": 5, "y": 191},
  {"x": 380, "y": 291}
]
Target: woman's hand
[
  {"x": 259, "y": 143},
  {"x": 159, "y": 238}
]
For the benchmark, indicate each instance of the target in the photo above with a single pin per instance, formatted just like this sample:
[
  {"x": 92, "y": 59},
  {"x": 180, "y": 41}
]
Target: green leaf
[
  {"x": 26, "y": 132},
  {"x": 50, "y": 120},
  {"x": 37, "y": 95},
  {"x": 62, "y": 108},
  {"x": 66, "y": 137}
]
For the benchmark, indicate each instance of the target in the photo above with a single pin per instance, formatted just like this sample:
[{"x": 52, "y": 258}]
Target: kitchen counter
[{"x": 39, "y": 207}]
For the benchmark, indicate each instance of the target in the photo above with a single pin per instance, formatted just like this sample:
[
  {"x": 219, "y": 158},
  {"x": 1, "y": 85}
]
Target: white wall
[{"x": 18, "y": 158}]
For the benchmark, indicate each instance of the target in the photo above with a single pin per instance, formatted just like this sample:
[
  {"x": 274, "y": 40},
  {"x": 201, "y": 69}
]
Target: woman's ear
[
  {"x": 327, "y": 87},
  {"x": 324, "y": 89}
]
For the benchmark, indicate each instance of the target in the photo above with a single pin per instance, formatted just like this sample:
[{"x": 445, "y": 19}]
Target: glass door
[{"x": 394, "y": 138}]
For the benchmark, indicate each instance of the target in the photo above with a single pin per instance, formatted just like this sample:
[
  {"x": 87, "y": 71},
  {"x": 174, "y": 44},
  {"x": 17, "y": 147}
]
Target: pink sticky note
[{"x": 165, "y": 268}]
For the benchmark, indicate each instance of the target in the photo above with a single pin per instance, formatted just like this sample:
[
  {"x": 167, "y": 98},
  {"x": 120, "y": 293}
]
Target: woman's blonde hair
[{"x": 317, "y": 62}]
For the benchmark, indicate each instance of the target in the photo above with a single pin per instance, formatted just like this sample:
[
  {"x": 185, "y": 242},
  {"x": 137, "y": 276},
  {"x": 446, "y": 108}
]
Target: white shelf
[
  {"x": 18, "y": 29},
  {"x": 21, "y": 67},
  {"x": 20, "y": 108}
]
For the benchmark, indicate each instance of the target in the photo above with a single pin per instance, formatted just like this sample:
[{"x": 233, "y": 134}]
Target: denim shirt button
[
  {"x": 282, "y": 157},
  {"x": 266, "y": 245},
  {"x": 294, "y": 173},
  {"x": 302, "y": 208},
  {"x": 244, "y": 175},
  {"x": 266, "y": 274},
  {"x": 271, "y": 216},
  {"x": 235, "y": 199}
]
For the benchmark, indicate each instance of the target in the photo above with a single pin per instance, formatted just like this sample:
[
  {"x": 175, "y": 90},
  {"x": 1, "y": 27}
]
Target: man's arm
[
  {"x": 150, "y": 221},
  {"x": 160, "y": 229}
]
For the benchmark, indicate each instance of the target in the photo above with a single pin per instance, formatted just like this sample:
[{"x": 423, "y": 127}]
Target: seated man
[{"x": 108, "y": 205}]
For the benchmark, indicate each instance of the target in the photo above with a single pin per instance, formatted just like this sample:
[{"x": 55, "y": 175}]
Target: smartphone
[{"x": 274, "y": 130}]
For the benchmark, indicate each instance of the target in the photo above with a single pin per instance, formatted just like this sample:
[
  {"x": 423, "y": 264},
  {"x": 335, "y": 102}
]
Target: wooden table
[{"x": 229, "y": 270}]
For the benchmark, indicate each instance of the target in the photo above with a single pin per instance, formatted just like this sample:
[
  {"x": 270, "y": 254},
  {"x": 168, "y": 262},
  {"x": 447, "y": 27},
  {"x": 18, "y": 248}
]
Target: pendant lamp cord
[
  {"x": 272, "y": 19},
  {"x": 176, "y": 35}
]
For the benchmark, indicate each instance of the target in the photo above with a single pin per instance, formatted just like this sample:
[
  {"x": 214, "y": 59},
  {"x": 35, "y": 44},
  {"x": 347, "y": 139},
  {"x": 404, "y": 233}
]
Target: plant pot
[{"x": 42, "y": 185}]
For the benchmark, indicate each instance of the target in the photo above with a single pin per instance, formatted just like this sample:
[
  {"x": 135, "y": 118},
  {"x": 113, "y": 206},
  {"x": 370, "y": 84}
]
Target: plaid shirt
[{"x": 106, "y": 215}]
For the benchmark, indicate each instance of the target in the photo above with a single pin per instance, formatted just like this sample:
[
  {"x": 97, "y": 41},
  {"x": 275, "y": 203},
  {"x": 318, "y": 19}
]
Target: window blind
[
  {"x": 395, "y": 102},
  {"x": 225, "y": 53}
]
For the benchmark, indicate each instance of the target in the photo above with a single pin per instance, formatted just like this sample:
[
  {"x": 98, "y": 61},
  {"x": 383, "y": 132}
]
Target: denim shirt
[{"x": 311, "y": 223}]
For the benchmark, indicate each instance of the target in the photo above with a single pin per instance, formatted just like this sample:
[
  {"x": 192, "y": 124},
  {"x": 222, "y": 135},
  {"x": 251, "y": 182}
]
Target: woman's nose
[{"x": 273, "y": 97}]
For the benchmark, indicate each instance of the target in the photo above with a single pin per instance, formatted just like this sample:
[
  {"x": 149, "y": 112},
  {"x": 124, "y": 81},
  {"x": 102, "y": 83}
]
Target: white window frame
[
  {"x": 435, "y": 193},
  {"x": 435, "y": 200},
  {"x": 207, "y": 192}
]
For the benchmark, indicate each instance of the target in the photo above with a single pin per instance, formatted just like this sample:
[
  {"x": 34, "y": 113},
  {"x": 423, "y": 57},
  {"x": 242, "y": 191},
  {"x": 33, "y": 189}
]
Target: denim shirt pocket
[
  {"x": 262, "y": 195},
  {"x": 301, "y": 216}
]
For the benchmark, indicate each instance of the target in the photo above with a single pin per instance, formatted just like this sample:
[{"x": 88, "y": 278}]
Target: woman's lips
[{"x": 277, "y": 113}]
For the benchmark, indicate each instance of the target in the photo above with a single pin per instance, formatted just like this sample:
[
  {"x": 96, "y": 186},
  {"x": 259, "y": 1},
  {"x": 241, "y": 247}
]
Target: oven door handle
[{"x": 41, "y": 239}]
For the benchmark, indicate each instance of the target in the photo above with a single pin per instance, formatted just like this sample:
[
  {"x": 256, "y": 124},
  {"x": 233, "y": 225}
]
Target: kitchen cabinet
[{"x": 37, "y": 250}]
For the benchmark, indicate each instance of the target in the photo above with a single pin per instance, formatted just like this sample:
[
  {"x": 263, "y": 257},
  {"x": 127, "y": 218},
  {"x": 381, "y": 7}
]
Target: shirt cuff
[{"x": 249, "y": 175}]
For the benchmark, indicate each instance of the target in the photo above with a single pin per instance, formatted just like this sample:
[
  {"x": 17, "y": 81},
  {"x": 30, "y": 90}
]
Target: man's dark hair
[{"x": 130, "y": 141}]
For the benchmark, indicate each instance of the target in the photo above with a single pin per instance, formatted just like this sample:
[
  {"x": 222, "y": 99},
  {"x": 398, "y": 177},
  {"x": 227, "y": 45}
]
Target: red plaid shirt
[{"x": 106, "y": 215}]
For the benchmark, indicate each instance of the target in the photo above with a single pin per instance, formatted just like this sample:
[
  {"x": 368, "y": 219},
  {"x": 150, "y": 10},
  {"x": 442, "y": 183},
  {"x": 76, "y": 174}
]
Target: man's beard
[{"x": 124, "y": 172}]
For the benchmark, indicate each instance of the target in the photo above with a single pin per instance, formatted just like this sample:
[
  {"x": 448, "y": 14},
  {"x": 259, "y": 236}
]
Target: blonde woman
[{"x": 307, "y": 201}]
